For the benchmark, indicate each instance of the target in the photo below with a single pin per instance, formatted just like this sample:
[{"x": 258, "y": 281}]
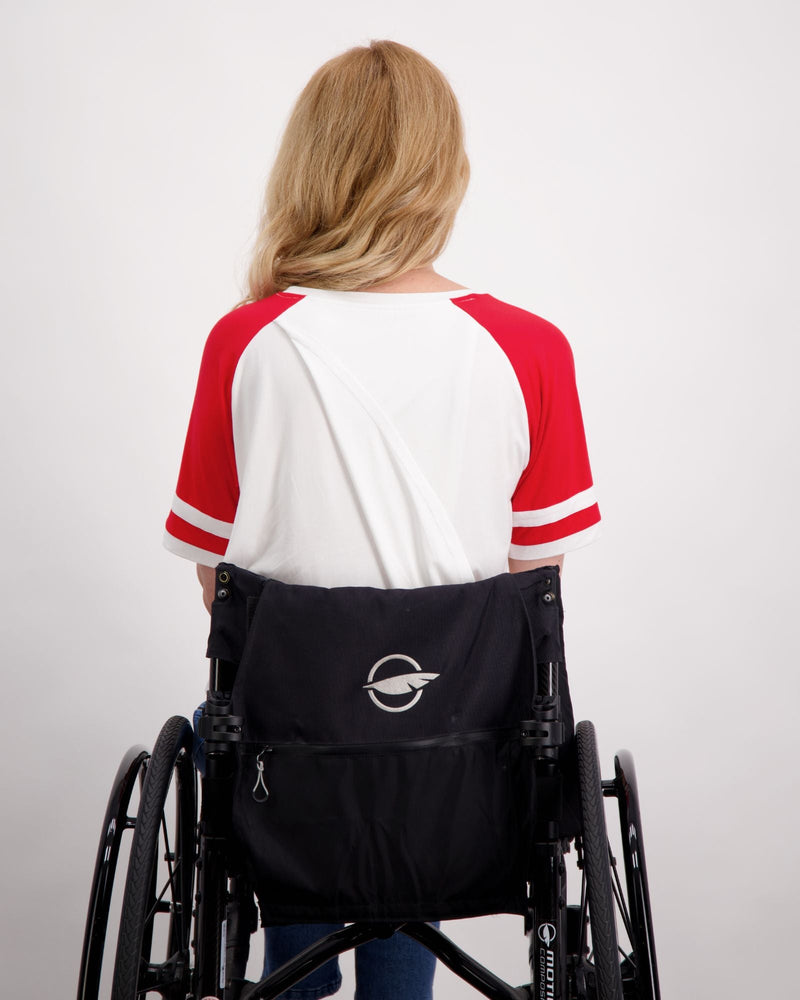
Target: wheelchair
[{"x": 509, "y": 802}]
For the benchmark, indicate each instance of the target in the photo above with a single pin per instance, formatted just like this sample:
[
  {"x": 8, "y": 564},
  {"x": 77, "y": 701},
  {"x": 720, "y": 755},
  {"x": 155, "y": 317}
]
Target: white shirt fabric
[{"x": 376, "y": 439}]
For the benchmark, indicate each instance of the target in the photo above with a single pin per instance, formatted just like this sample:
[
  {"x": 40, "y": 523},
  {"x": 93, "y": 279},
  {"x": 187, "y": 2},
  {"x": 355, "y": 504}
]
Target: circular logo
[
  {"x": 547, "y": 933},
  {"x": 386, "y": 679}
]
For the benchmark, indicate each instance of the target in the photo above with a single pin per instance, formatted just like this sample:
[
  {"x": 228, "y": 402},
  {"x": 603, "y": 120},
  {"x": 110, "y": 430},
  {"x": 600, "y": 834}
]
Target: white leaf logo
[
  {"x": 547, "y": 933},
  {"x": 397, "y": 684},
  {"x": 401, "y": 684}
]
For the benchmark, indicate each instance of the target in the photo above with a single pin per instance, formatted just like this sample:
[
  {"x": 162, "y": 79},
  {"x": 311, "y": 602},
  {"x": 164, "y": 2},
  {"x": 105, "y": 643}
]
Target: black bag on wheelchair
[{"x": 382, "y": 772}]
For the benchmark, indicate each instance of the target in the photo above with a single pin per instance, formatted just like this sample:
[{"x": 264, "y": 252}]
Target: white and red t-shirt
[{"x": 383, "y": 439}]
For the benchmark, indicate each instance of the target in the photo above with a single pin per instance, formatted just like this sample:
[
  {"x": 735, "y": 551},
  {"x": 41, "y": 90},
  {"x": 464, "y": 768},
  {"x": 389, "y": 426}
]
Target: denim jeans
[
  {"x": 198, "y": 753},
  {"x": 396, "y": 968}
]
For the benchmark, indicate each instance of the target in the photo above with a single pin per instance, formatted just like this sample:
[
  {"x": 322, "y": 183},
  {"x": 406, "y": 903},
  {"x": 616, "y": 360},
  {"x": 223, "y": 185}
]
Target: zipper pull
[{"x": 260, "y": 791}]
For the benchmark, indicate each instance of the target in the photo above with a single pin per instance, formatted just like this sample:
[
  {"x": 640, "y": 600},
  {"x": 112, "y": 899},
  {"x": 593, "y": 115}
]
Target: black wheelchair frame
[{"x": 183, "y": 876}]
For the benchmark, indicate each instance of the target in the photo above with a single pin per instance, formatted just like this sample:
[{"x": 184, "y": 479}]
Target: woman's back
[{"x": 380, "y": 439}]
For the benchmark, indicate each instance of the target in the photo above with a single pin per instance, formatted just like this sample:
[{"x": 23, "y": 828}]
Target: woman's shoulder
[
  {"x": 516, "y": 329},
  {"x": 231, "y": 334}
]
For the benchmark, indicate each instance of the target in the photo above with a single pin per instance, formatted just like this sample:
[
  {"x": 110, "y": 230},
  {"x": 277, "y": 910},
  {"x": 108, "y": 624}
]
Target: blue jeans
[
  {"x": 395, "y": 968},
  {"x": 198, "y": 753}
]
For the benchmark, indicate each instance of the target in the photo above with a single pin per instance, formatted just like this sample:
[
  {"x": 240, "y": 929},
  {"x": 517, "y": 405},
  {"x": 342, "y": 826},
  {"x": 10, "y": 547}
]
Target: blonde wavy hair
[{"x": 368, "y": 178}]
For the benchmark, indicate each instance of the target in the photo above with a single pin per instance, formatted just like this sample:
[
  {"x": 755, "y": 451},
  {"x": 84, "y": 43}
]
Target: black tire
[
  {"x": 596, "y": 859},
  {"x": 149, "y": 893},
  {"x": 115, "y": 824},
  {"x": 641, "y": 967}
]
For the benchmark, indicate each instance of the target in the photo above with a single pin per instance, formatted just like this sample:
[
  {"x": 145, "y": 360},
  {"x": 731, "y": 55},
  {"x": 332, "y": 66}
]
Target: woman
[{"x": 362, "y": 420}]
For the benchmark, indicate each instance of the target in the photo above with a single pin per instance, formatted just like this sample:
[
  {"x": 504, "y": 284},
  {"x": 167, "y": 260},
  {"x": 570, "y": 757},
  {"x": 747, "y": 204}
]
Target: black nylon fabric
[{"x": 387, "y": 722}]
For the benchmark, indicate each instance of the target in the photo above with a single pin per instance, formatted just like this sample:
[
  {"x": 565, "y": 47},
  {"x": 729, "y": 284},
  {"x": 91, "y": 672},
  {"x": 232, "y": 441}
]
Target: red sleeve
[
  {"x": 553, "y": 506},
  {"x": 204, "y": 508}
]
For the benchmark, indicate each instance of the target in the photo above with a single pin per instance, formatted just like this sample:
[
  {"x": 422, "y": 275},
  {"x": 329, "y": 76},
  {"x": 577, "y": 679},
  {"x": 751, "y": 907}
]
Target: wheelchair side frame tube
[
  {"x": 220, "y": 730},
  {"x": 547, "y": 928},
  {"x": 546, "y": 922}
]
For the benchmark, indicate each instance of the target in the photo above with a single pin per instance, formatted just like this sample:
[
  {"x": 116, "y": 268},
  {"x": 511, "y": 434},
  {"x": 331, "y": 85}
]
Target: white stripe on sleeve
[
  {"x": 191, "y": 552},
  {"x": 557, "y": 547},
  {"x": 195, "y": 517},
  {"x": 549, "y": 515}
]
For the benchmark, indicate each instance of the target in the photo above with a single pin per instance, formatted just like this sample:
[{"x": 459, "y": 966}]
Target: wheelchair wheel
[
  {"x": 115, "y": 824},
  {"x": 157, "y": 905},
  {"x": 640, "y": 966},
  {"x": 605, "y": 959}
]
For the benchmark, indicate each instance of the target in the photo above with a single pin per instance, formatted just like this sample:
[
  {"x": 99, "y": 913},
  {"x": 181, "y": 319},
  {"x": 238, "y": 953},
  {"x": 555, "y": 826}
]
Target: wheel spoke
[
  {"x": 170, "y": 883},
  {"x": 620, "y": 898},
  {"x": 167, "y": 851},
  {"x": 180, "y": 853}
]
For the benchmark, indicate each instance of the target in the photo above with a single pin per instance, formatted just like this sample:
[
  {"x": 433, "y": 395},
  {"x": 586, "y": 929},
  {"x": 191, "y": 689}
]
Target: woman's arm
[
  {"x": 207, "y": 576},
  {"x": 520, "y": 565}
]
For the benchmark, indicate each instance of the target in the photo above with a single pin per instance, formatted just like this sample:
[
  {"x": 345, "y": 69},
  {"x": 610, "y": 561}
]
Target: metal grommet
[
  {"x": 548, "y": 597},
  {"x": 223, "y": 594},
  {"x": 547, "y": 581},
  {"x": 225, "y": 577}
]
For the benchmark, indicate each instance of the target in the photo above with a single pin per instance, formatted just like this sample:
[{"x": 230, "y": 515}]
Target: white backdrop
[{"x": 634, "y": 181}]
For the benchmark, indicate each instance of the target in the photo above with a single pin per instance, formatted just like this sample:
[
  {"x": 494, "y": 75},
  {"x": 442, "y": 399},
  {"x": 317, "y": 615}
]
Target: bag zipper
[{"x": 260, "y": 791}]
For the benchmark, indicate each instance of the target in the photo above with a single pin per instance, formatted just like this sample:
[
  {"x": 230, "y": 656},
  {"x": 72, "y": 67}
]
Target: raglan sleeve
[
  {"x": 554, "y": 508},
  {"x": 204, "y": 506}
]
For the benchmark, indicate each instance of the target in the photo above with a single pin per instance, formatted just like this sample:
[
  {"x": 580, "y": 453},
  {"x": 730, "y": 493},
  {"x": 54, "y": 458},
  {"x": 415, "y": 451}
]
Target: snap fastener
[
  {"x": 223, "y": 594},
  {"x": 548, "y": 597},
  {"x": 225, "y": 577}
]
